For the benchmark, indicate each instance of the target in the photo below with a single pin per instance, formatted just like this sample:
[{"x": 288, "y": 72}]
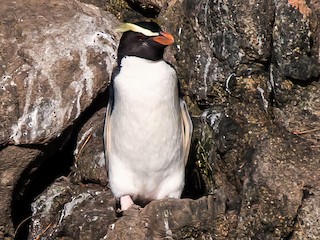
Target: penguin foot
[{"x": 125, "y": 202}]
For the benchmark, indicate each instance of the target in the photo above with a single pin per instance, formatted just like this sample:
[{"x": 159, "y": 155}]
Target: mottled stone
[
  {"x": 56, "y": 56},
  {"x": 166, "y": 219},
  {"x": 74, "y": 211},
  {"x": 292, "y": 42},
  {"x": 307, "y": 223}
]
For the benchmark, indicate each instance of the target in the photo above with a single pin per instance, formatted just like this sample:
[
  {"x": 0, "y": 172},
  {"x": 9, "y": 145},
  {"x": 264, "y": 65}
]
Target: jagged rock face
[
  {"x": 294, "y": 56},
  {"x": 250, "y": 75}
]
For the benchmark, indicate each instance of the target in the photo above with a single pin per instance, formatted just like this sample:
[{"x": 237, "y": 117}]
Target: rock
[
  {"x": 90, "y": 165},
  {"x": 149, "y": 4},
  {"x": 241, "y": 119},
  {"x": 149, "y": 8},
  {"x": 166, "y": 219},
  {"x": 293, "y": 56},
  {"x": 72, "y": 211},
  {"x": 14, "y": 160},
  {"x": 231, "y": 41},
  {"x": 274, "y": 186},
  {"x": 253, "y": 23},
  {"x": 307, "y": 223},
  {"x": 56, "y": 57},
  {"x": 53, "y": 65}
]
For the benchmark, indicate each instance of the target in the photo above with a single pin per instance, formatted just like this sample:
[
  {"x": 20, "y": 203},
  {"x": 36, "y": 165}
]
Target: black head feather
[{"x": 139, "y": 45}]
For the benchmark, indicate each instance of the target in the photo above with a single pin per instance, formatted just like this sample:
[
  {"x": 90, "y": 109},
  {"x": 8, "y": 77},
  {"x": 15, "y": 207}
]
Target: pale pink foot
[{"x": 125, "y": 202}]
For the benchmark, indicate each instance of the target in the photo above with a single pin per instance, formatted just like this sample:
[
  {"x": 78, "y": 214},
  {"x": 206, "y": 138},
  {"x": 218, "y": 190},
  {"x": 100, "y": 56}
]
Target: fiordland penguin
[{"x": 147, "y": 128}]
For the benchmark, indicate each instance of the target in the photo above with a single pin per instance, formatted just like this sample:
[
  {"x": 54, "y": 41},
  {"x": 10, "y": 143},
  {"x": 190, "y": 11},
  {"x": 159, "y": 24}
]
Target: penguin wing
[
  {"x": 107, "y": 131},
  {"x": 107, "y": 123},
  {"x": 187, "y": 129}
]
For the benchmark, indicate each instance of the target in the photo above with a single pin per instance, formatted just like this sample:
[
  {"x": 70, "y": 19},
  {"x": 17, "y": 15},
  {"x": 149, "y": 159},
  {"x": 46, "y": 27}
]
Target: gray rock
[
  {"x": 166, "y": 219},
  {"x": 55, "y": 58}
]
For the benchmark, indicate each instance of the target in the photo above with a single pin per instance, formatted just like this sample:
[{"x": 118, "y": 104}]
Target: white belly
[{"x": 145, "y": 154}]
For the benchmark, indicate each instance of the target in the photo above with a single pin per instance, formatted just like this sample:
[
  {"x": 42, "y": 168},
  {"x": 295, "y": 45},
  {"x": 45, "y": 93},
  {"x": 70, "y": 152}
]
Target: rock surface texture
[
  {"x": 56, "y": 57},
  {"x": 250, "y": 73}
]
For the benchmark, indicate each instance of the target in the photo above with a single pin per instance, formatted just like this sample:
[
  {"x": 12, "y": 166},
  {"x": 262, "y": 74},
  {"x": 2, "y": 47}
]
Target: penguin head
[{"x": 143, "y": 39}]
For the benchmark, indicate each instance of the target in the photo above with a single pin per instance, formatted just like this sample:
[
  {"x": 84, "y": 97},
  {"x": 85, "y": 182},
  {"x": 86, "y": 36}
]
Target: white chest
[
  {"x": 140, "y": 80},
  {"x": 145, "y": 128}
]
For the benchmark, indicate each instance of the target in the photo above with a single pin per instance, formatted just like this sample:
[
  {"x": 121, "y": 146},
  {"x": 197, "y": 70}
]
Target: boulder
[
  {"x": 56, "y": 57},
  {"x": 66, "y": 210}
]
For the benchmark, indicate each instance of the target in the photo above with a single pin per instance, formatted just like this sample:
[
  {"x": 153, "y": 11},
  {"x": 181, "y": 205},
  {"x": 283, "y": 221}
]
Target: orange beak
[{"x": 165, "y": 38}]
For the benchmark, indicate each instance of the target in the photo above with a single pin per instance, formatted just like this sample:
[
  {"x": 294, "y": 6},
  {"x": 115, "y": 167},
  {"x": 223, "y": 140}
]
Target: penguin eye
[{"x": 141, "y": 38}]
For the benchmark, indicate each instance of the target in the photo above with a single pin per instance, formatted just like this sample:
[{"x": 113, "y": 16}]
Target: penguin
[{"x": 148, "y": 129}]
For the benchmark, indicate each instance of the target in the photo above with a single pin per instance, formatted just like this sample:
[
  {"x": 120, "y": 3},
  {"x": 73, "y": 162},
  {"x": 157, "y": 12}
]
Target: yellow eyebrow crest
[{"x": 124, "y": 27}]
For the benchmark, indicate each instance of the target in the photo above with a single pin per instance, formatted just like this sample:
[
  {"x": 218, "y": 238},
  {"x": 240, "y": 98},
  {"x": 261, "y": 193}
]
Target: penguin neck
[
  {"x": 145, "y": 80},
  {"x": 138, "y": 70},
  {"x": 153, "y": 54},
  {"x": 138, "y": 61}
]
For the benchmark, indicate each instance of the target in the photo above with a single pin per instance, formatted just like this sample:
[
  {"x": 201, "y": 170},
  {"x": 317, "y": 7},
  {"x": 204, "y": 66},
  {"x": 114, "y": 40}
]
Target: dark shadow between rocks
[
  {"x": 304, "y": 83},
  {"x": 195, "y": 186},
  {"x": 55, "y": 162},
  {"x": 149, "y": 11},
  {"x": 37, "y": 177}
]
